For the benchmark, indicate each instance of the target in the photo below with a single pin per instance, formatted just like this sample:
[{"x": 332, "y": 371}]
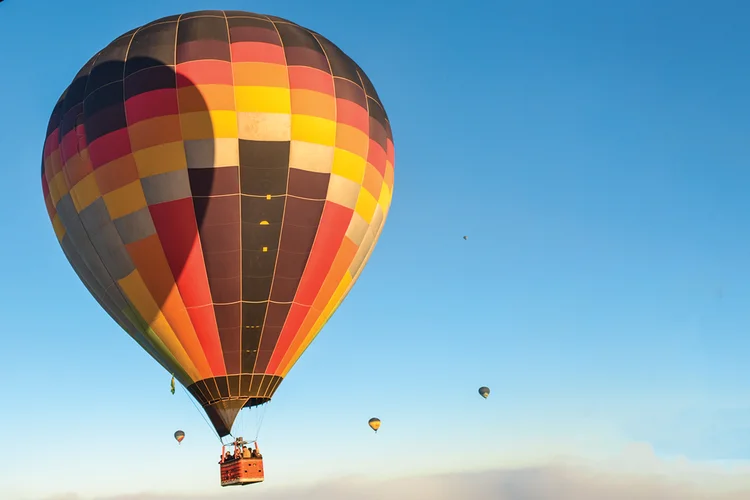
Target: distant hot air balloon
[
  {"x": 484, "y": 392},
  {"x": 466, "y": 237},
  {"x": 374, "y": 423},
  {"x": 218, "y": 181},
  {"x": 179, "y": 436}
]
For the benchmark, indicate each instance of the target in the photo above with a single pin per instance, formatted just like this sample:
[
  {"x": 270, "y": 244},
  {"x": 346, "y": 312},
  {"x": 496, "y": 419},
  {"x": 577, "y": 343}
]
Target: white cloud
[
  {"x": 634, "y": 473},
  {"x": 544, "y": 483}
]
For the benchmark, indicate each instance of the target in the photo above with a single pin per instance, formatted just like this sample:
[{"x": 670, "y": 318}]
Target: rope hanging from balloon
[{"x": 213, "y": 430}]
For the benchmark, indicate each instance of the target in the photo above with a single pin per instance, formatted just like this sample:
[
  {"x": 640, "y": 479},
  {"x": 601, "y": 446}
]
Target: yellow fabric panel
[
  {"x": 313, "y": 129},
  {"x": 366, "y": 204},
  {"x": 388, "y": 177},
  {"x": 58, "y": 187},
  {"x": 262, "y": 100},
  {"x": 138, "y": 295},
  {"x": 349, "y": 165},
  {"x": 57, "y": 225},
  {"x": 126, "y": 200},
  {"x": 85, "y": 192},
  {"x": 160, "y": 159},
  {"x": 224, "y": 123},
  {"x": 385, "y": 198}
]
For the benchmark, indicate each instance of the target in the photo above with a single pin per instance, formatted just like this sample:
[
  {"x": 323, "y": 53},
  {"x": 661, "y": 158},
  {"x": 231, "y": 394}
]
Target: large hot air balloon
[{"x": 218, "y": 180}]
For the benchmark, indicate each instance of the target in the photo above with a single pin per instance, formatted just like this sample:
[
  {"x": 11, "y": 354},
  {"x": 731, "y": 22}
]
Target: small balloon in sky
[{"x": 374, "y": 423}]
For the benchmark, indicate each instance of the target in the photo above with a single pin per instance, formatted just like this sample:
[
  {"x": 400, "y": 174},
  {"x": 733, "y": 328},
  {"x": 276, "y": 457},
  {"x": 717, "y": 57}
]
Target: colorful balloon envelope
[
  {"x": 374, "y": 423},
  {"x": 179, "y": 436},
  {"x": 218, "y": 181}
]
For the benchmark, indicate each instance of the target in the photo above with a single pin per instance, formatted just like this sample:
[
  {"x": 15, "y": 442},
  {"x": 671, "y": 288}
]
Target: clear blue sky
[{"x": 596, "y": 154}]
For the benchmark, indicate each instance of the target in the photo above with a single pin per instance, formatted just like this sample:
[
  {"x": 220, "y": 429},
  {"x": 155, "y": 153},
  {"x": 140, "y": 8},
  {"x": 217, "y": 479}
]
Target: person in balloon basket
[{"x": 241, "y": 452}]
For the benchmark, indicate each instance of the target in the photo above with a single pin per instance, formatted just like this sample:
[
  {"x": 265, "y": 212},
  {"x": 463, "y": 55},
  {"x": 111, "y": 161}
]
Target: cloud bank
[{"x": 636, "y": 473}]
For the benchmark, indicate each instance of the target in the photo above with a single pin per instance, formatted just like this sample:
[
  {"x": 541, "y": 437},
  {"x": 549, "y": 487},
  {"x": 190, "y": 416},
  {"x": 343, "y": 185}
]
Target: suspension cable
[{"x": 202, "y": 415}]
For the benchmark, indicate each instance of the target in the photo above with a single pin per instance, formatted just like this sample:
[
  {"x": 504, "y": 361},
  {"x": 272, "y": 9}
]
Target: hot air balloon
[
  {"x": 374, "y": 423},
  {"x": 218, "y": 180},
  {"x": 179, "y": 436},
  {"x": 484, "y": 392}
]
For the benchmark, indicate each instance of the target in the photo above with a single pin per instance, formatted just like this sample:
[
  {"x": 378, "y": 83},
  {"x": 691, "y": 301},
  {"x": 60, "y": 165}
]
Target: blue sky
[{"x": 596, "y": 156}]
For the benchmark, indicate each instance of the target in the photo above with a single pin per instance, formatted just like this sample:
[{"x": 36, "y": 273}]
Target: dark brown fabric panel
[{"x": 301, "y": 219}]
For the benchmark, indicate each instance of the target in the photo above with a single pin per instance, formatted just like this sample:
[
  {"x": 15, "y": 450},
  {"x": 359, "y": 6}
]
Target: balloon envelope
[
  {"x": 374, "y": 424},
  {"x": 179, "y": 436},
  {"x": 484, "y": 392},
  {"x": 218, "y": 181}
]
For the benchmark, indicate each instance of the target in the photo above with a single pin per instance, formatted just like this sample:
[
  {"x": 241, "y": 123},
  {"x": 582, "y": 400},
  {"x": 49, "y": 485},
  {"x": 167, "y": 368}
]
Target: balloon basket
[
  {"x": 241, "y": 472},
  {"x": 243, "y": 466}
]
